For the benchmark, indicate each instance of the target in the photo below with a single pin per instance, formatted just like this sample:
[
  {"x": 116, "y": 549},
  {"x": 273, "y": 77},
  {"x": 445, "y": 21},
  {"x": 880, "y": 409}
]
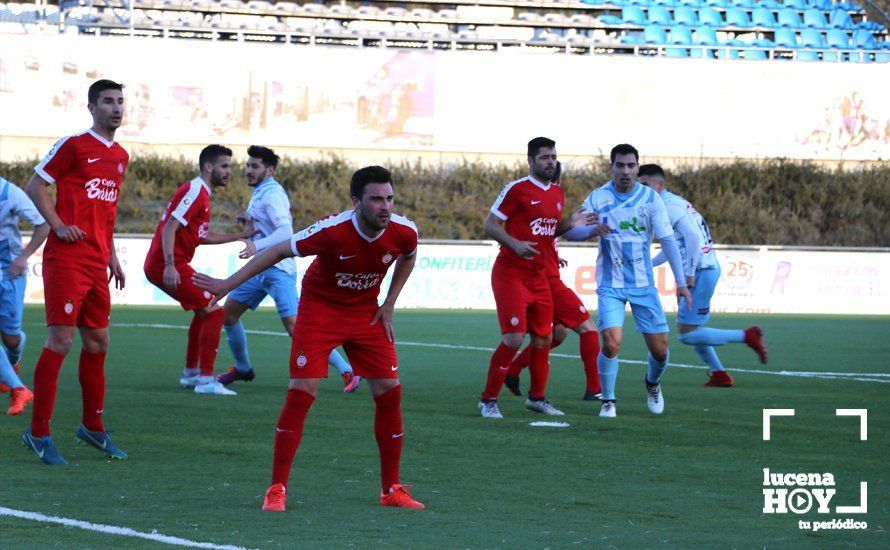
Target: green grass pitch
[{"x": 692, "y": 477}]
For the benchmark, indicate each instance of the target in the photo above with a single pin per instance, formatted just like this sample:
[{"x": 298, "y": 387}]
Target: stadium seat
[
  {"x": 788, "y": 18},
  {"x": 811, "y": 38},
  {"x": 654, "y": 34},
  {"x": 610, "y": 20},
  {"x": 631, "y": 38},
  {"x": 859, "y": 57},
  {"x": 831, "y": 57},
  {"x": 762, "y": 17},
  {"x": 676, "y": 52},
  {"x": 770, "y": 4},
  {"x": 659, "y": 15},
  {"x": 684, "y": 15},
  {"x": 882, "y": 57},
  {"x": 822, "y": 4},
  {"x": 728, "y": 53},
  {"x": 700, "y": 52},
  {"x": 689, "y": 3},
  {"x": 746, "y": 4},
  {"x": 706, "y": 36},
  {"x": 757, "y": 55},
  {"x": 786, "y": 38},
  {"x": 795, "y": 4},
  {"x": 633, "y": 15},
  {"x": 837, "y": 39},
  {"x": 710, "y": 17},
  {"x": 681, "y": 35},
  {"x": 667, "y": 3},
  {"x": 864, "y": 39},
  {"x": 736, "y": 17},
  {"x": 840, "y": 19},
  {"x": 814, "y": 19},
  {"x": 807, "y": 55}
]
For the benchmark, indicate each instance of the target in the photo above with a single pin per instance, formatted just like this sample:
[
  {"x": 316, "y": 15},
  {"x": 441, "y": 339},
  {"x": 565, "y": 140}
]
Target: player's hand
[
  {"x": 384, "y": 315},
  {"x": 116, "y": 272},
  {"x": 70, "y": 233},
  {"x": 249, "y": 249},
  {"x": 17, "y": 267},
  {"x": 242, "y": 218},
  {"x": 525, "y": 249},
  {"x": 171, "y": 277},
  {"x": 249, "y": 230},
  {"x": 683, "y": 292},
  {"x": 217, "y": 287},
  {"x": 690, "y": 281},
  {"x": 601, "y": 230},
  {"x": 581, "y": 217},
  {"x": 562, "y": 262}
]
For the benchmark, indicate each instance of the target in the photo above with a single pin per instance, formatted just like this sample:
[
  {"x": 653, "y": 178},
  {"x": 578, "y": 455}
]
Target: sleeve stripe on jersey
[
  {"x": 40, "y": 168},
  {"x": 187, "y": 201},
  {"x": 402, "y": 220},
  {"x": 497, "y": 203},
  {"x": 316, "y": 227}
]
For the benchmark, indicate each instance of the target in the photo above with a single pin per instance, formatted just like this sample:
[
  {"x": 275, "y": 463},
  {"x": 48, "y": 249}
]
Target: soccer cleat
[
  {"x": 608, "y": 410},
  {"x": 350, "y": 382},
  {"x": 3, "y": 387},
  {"x": 213, "y": 388},
  {"x": 654, "y": 397},
  {"x": 591, "y": 396},
  {"x": 543, "y": 406},
  {"x": 233, "y": 374},
  {"x": 512, "y": 384},
  {"x": 399, "y": 497},
  {"x": 101, "y": 441},
  {"x": 44, "y": 448},
  {"x": 276, "y": 496},
  {"x": 189, "y": 382},
  {"x": 490, "y": 409},
  {"x": 719, "y": 379},
  {"x": 17, "y": 401},
  {"x": 754, "y": 340}
]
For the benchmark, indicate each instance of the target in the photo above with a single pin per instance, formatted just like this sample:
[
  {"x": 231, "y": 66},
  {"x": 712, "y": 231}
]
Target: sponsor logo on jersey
[
  {"x": 358, "y": 281},
  {"x": 535, "y": 202},
  {"x": 545, "y": 227},
  {"x": 632, "y": 225},
  {"x": 101, "y": 189},
  {"x": 91, "y": 161}
]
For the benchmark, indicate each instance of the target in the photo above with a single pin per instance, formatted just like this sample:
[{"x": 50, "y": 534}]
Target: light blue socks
[
  {"x": 705, "y": 336},
  {"x": 15, "y": 355},
  {"x": 656, "y": 368},
  {"x": 608, "y": 369},
  {"x": 339, "y": 363},
  {"x": 709, "y": 356},
  {"x": 7, "y": 374},
  {"x": 237, "y": 340}
]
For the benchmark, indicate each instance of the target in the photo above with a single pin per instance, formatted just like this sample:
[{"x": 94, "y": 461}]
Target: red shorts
[
  {"x": 320, "y": 328},
  {"x": 76, "y": 295},
  {"x": 568, "y": 309},
  {"x": 524, "y": 303},
  {"x": 187, "y": 294}
]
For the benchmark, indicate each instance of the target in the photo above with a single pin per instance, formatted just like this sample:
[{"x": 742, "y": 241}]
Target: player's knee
[
  {"x": 611, "y": 344},
  {"x": 684, "y": 337},
  {"x": 11, "y": 340},
  {"x": 60, "y": 342},
  {"x": 513, "y": 340},
  {"x": 97, "y": 343},
  {"x": 559, "y": 334},
  {"x": 231, "y": 318}
]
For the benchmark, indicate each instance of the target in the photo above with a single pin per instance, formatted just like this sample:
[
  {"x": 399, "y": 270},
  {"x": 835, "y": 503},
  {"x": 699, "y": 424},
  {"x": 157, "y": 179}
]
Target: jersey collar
[
  {"x": 362, "y": 235},
  {"x": 101, "y": 139},
  {"x": 611, "y": 187},
  {"x": 539, "y": 184},
  {"x": 268, "y": 181},
  {"x": 204, "y": 183}
]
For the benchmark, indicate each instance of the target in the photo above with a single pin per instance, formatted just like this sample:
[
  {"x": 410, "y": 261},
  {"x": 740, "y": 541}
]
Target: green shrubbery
[{"x": 769, "y": 202}]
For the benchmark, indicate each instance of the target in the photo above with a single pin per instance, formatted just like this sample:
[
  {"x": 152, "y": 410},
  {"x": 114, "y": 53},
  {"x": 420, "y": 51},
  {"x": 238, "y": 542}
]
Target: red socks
[
  {"x": 211, "y": 327},
  {"x": 389, "y": 435},
  {"x": 497, "y": 371},
  {"x": 46, "y": 376},
  {"x": 539, "y": 368},
  {"x": 590, "y": 350},
  {"x": 91, "y": 373},
  {"x": 519, "y": 362},
  {"x": 192, "y": 355},
  {"x": 288, "y": 433}
]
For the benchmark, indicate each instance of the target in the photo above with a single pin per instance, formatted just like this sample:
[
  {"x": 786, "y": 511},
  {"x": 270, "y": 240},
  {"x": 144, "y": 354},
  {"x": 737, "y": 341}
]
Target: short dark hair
[
  {"x": 623, "y": 149},
  {"x": 364, "y": 176},
  {"x": 265, "y": 154},
  {"x": 211, "y": 153},
  {"x": 539, "y": 143},
  {"x": 100, "y": 86},
  {"x": 652, "y": 170}
]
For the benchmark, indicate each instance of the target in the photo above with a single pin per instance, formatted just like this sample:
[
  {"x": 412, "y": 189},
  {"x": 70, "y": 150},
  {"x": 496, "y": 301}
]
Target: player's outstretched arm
[
  {"x": 402, "y": 270},
  {"x": 281, "y": 233},
  {"x": 579, "y": 218},
  {"x": 672, "y": 253},
  {"x": 223, "y": 238},
  {"x": 494, "y": 228},
  {"x": 39, "y": 195},
  {"x": 259, "y": 263}
]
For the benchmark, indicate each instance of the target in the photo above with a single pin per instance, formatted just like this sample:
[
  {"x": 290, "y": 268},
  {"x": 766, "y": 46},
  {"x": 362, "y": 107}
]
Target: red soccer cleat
[
  {"x": 754, "y": 340},
  {"x": 719, "y": 379},
  {"x": 19, "y": 398},
  {"x": 399, "y": 497},
  {"x": 275, "y": 498},
  {"x": 3, "y": 387}
]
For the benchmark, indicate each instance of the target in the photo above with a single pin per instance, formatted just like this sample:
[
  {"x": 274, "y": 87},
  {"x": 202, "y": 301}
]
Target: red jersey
[
  {"x": 531, "y": 212},
  {"x": 191, "y": 206},
  {"x": 349, "y": 266},
  {"x": 87, "y": 170}
]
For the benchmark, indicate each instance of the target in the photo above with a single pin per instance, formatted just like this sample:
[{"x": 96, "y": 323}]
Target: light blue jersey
[
  {"x": 269, "y": 208},
  {"x": 678, "y": 208},
  {"x": 14, "y": 204},
  {"x": 635, "y": 218}
]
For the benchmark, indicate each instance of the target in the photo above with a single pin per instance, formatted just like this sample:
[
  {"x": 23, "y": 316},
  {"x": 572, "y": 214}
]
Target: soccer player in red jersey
[
  {"x": 568, "y": 312},
  {"x": 87, "y": 170},
  {"x": 185, "y": 225},
  {"x": 338, "y": 306},
  {"x": 525, "y": 220}
]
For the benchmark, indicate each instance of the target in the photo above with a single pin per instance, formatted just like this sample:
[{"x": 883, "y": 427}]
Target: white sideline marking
[
  {"x": 114, "y": 530},
  {"x": 880, "y": 377}
]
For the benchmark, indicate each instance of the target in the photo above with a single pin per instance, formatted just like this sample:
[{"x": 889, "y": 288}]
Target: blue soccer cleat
[
  {"x": 44, "y": 448},
  {"x": 101, "y": 441}
]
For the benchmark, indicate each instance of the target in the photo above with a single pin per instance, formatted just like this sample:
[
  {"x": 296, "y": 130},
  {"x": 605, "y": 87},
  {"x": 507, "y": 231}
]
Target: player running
[
  {"x": 353, "y": 251},
  {"x": 87, "y": 170},
  {"x": 634, "y": 214},
  {"x": 269, "y": 212},
  {"x": 702, "y": 275},
  {"x": 14, "y": 204}
]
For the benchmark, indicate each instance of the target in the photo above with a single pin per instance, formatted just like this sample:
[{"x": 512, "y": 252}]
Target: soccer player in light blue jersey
[
  {"x": 269, "y": 210},
  {"x": 630, "y": 215},
  {"x": 702, "y": 274},
  {"x": 15, "y": 204}
]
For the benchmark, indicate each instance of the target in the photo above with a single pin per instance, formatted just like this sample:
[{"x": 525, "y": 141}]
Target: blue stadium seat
[
  {"x": 654, "y": 34},
  {"x": 676, "y": 52},
  {"x": 706, "y": 36},
  {"x": 716, "y": 3},
  {"x": 837, "y": 39},
  {"x": 814, "y": 19},
  {"x": 684, "y": 15},
  {"x": 690, "y": 3},
  {"x": 764, "y": 43},
  {"x": 610, "y": 20},
  {"x": 770, "y": 4},
  {"x": 736, "y": 17},
  {"x": 796, "y": 4},
  {"x": 681, "y": 35},
  {"x": 840, "y": 19},
  {"x": 748, "y": 4},
  {"x": 786, "y": 38},
  {"x": 631, "y": 38},
  {"x": 859, "y": 57},
  {"x": 807, "y": 55},
  {"x": 710, "y": 17},
  {"x": 882, "y": 57},
  {"x": 758, "y": 55},
  {"x": 699, "y": 53},
  {"x": 788, "y": 18},
  {"x": 668, "y": 3},
  {"x": 728, "y": 53},
  {"x": 864, "y": 39},
  {"x": 762, "y": 17},
  {"x": 811, "y": 38},
  {"x": 822, "y": 4},
  {"x": 633, "y": 15},
  {"x": 831, "y": 57},
  {"x": 659, "y": 15}
]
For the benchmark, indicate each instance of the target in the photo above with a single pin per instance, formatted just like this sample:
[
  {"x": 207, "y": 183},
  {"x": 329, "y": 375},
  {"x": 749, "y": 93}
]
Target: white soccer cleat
[
  {"x": 189, "y": 382},
  {"x": 490, "y": 409},
  {"x": 654, "y": 397},
  {"x": 213, "y": 388},
  {"x": 543, "y": 407},
  {"x": 608, "y": 410}
]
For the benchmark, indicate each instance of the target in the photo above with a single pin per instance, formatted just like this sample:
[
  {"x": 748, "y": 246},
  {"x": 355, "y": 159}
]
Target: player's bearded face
[
  {"x": 624, "y": 170},
  {"x": 256, "y": 171},
  {"x": 375, "y": 206},
  {"x": 108, "y": 112},
  {"x": 543, "y": 165},
  {"x": 222, "y": 169}
]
